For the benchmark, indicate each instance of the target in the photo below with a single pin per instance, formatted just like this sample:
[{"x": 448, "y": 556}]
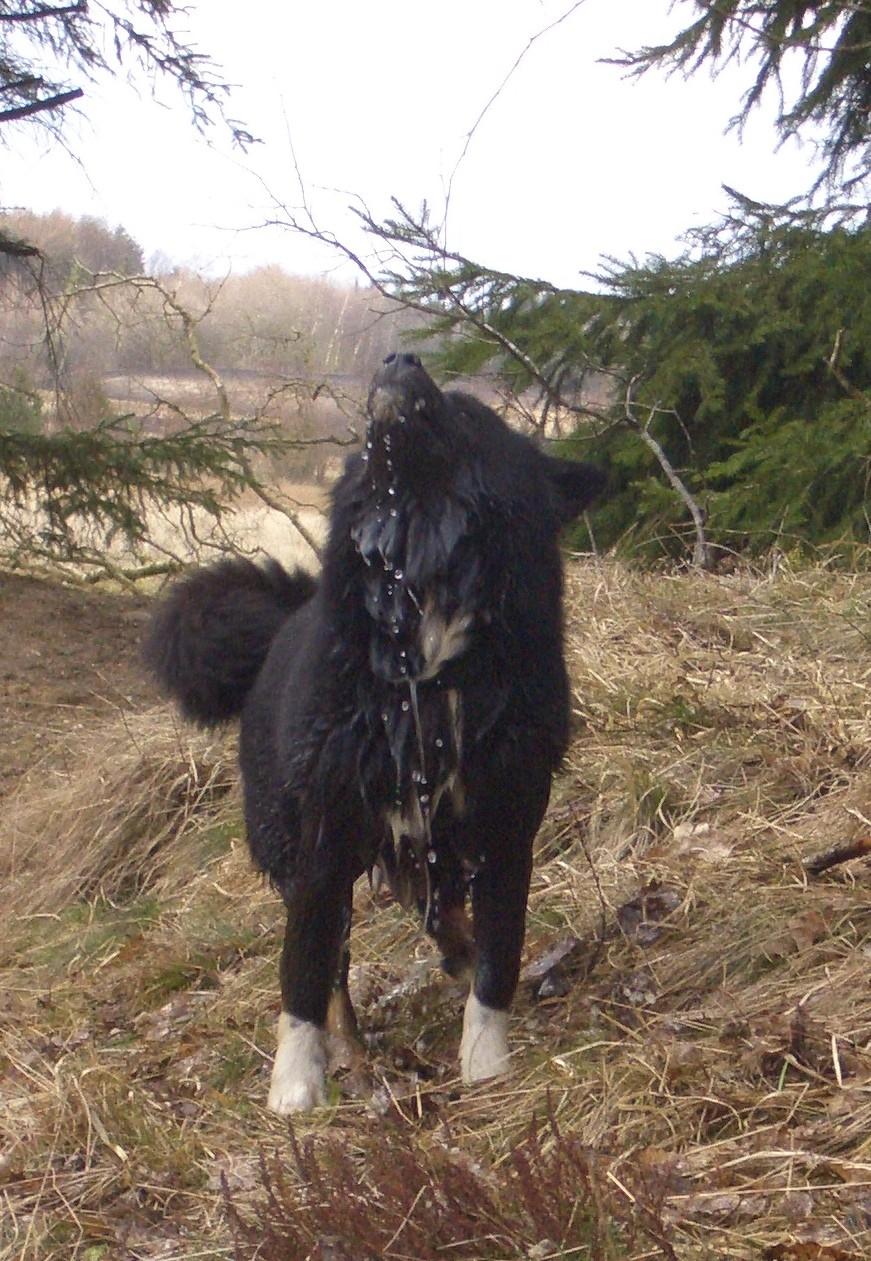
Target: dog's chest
[{"x": 421, "y": 585}]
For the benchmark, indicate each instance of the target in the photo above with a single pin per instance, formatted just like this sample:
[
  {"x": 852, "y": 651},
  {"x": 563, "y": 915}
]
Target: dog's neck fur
[
  {"x": 408, "y": 458},
  {"x": 407, "y": 542}
]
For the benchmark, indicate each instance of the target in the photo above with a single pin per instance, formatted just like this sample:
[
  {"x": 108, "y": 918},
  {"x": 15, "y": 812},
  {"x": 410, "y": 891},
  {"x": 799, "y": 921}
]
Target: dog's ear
[{"x": 575, "y": 485}]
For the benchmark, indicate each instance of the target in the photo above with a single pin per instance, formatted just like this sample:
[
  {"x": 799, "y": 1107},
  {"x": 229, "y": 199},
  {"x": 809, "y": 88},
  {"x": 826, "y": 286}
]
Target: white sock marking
[
  {"x": 298, "y": 1074},
  {"x": 484, "y": 1048}
]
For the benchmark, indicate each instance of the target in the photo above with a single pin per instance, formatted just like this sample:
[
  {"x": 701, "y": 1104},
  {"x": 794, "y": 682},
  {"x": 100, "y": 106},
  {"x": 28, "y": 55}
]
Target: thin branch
[
  {"x": 495, "y": 96},
  {"x": 702, "y": 558}
]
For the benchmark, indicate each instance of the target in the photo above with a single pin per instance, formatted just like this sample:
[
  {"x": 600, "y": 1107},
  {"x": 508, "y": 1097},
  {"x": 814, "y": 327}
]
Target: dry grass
[
  {"x": 111, "y": 820},
  {"x": 707, "y": 1033}
]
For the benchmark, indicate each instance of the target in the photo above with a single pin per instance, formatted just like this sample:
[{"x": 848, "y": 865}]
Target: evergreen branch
[
  {"x": 46, "y": 11},
  {"x": 37, "y": 107}
]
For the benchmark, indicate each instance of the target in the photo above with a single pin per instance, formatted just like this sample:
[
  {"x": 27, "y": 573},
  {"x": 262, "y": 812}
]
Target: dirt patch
[{"x": 68, "y": 655}]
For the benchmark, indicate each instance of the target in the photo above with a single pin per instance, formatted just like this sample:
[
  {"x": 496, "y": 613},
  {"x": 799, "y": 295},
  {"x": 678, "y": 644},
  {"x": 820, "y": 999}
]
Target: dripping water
[{"x": 421, "y": 789}]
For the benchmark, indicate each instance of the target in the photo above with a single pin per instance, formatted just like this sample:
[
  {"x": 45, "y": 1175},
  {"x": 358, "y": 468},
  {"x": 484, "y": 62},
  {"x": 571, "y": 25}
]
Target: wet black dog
[{"x": 404, "y": 712}]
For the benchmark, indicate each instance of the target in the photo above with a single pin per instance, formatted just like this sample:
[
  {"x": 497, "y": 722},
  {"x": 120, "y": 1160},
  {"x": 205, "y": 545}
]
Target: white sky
[{"x": 572, "y": 161}]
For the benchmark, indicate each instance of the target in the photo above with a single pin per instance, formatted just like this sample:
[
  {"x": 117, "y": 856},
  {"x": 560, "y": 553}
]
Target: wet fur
[{"x": 407, "y": 711}]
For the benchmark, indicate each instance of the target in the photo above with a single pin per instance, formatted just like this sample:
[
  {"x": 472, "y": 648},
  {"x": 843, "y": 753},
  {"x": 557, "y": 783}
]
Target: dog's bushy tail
[{"x": 209, "y": 636}]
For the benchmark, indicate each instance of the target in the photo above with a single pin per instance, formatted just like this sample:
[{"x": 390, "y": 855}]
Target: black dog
[{"x": 405, "y": 712}]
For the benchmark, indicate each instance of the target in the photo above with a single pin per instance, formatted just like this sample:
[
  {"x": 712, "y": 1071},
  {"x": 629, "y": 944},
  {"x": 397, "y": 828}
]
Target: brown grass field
[{"x": 692, "y": 1036}]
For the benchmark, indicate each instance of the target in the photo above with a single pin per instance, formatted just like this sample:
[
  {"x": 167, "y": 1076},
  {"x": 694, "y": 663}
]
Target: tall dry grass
[
  {"x": 695, "y": 1011},
  {"x": 119, "y": 814}
]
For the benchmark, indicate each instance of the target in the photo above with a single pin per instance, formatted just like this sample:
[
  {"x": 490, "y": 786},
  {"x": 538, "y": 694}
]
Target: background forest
[{"x": 746, "y": 359}]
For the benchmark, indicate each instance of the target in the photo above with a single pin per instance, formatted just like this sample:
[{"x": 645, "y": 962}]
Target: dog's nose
[{"x": 403, "y": 361}]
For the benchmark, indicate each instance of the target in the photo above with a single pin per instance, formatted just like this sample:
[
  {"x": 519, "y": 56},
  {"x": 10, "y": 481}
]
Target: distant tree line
[
  {"x": 265, "y": 321},
  {"x": 118, "y": 393}
]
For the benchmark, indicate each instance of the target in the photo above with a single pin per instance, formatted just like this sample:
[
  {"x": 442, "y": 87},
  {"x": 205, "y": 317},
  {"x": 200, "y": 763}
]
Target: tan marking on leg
[{"x": 455, "y": 940}]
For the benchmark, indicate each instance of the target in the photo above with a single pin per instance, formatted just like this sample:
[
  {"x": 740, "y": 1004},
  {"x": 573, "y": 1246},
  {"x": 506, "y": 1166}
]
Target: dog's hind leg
[
  {"x": 504, "y": 827},
  {"x": 317, "y": 920},
  {"x": 455, "y": 941},
  {"x": 341, "y": 1017},
  {"x": 448, "y": 922}
]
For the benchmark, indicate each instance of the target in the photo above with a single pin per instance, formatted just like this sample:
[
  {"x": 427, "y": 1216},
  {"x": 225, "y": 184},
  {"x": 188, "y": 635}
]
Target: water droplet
[
  {"x": 391, "y": 490},
  {"x": 369, "y": 445},
  {"x": 384, "y": 715},
  {"x": 431, "y": 856},
  {"x": 403, "y": 653},
  {"x": 405, "y": 707},
  {"x": 394, "y": 512},
  {"x": 482, "y": 858},
  {"x": 398, "y": 575},
  {"x": 424, "y": 799},
  {"x": 389, "y": 588},
  {"x": 365, "y": 456},
  {"x": 439, "y": 742}
]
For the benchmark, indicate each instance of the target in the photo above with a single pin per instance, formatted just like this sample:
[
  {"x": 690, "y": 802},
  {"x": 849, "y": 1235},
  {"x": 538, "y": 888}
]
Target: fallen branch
[{"x": 836, "y": 855}]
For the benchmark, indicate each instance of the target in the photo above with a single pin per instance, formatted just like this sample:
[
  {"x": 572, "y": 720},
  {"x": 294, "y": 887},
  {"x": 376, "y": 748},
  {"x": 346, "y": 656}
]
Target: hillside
[{"x": 693, "y": 1033}]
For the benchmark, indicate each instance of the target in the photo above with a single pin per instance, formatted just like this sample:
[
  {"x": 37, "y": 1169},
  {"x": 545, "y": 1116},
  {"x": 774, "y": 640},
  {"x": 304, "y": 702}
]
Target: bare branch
[
  {"x": 702, "y": 557},
  {"x": 495, "y": 96},
  {"x": 833, "y": 365}
]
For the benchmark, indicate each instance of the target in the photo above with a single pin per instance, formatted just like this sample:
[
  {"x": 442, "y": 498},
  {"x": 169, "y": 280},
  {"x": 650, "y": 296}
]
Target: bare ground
[{"x": 67, "y": 655}]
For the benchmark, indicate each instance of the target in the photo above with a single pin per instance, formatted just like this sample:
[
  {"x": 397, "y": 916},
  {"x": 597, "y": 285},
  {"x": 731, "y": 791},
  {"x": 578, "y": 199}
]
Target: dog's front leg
[
  {"x": 505, "y": 832},
  {"x": 317, "y": 926}
]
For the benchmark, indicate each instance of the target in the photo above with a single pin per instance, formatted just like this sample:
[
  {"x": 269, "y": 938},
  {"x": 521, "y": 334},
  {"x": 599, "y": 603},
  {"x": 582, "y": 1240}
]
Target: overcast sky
[{"x": 571, "y": 162}]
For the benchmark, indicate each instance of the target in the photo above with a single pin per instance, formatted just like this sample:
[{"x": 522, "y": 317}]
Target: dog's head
[
  {"x": 416, "y": 435},
  {"x": 403, "y": 393},
  {"x": 412, "y": 434}
]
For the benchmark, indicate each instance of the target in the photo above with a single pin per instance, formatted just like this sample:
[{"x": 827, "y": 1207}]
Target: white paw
[
  {"x": 484, "y": 1048},
  {"x": 298, "y": 1074}
]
